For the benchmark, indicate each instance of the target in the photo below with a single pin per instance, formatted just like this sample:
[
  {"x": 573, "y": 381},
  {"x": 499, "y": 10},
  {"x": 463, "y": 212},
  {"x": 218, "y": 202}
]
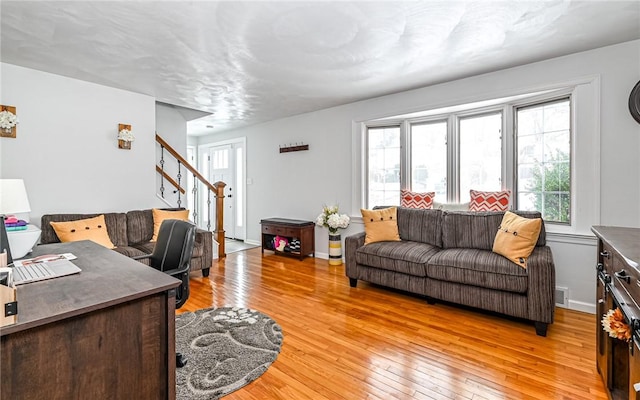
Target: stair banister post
[{"x": 219, "y": 232}]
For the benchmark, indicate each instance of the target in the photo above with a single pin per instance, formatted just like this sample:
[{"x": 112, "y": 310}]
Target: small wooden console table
[
  {"x": 289, "y": 228},
  {"x": 105, "y": 333},
  {"x": 618, "y": 286}
]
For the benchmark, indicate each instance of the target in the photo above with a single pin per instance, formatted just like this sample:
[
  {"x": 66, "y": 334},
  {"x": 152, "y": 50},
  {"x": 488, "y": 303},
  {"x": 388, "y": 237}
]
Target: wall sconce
[
  {"x": 125, "y": 137},
  {"x": 8, "y": 121}
]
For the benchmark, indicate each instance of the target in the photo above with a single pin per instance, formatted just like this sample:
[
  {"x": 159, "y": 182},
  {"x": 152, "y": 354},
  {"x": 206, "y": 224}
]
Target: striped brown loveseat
[
  {"x": 446, "y": 255},
  {"x": 131, "y": 233}
]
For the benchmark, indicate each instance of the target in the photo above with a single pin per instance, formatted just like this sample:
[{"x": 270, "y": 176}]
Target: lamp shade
[{"x": 13, "y": 197}]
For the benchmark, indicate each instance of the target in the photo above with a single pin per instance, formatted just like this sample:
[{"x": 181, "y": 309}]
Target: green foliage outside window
[{"x": 551, "y": 188}]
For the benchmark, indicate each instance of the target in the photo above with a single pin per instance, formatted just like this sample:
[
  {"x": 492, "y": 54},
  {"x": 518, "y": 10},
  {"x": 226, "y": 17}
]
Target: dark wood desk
[
  {"x": 618, "y": 286},
  {"x": 106, "y": 333}
]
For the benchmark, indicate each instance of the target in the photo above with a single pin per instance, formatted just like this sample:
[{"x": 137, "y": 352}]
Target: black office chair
[{"x": 172, "y": 255}]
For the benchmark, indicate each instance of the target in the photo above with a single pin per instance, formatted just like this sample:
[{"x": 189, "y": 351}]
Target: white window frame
[
  {"x": 538, "y": 101},
  {"x": 585, "y": 146}
]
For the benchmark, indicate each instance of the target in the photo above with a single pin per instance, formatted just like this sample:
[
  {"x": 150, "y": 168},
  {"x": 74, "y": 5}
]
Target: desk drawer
[
  {"x": 623, "y": 277},
  {"x": 280, "y": 230},
  {"x": 627, "y": 279},
  {"x": 606, "y": 257}
]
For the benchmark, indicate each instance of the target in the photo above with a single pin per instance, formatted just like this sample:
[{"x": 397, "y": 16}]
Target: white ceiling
[{"x": 250, "y": 62}]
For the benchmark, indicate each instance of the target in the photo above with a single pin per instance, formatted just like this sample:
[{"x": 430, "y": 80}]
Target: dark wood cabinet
[
  {"x": 618, "y": 286},
  {"x": 300, "y": 232}
]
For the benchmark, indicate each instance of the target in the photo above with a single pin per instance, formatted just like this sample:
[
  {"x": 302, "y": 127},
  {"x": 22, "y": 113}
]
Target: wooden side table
[{"x": 290, "y": 229}]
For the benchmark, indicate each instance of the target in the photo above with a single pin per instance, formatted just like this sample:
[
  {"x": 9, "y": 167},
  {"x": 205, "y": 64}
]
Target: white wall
[
  {"x": 171, "y": 126},
  {"x": 66, "y": 148},
  {"x": 296, "y": 185}
]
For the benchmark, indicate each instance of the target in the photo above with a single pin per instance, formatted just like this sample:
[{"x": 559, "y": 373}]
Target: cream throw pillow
[
  {"x": 516, "y": 237},
  {"x": 380, "y": 225},
  {"x": 93, "y": 229},
  {"x": 161, "y": 215}
]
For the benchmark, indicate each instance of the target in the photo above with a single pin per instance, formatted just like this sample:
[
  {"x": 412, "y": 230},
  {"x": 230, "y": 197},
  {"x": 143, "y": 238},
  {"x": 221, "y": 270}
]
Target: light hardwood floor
[{"x": 372, "y": 342}]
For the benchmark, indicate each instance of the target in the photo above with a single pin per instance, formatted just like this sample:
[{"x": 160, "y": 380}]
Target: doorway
[{"x": 225, "y": 161}]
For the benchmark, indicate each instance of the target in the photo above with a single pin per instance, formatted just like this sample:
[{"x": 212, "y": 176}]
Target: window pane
[
  {"x": 429, "y": 159},
  {"x": 239, "y": 185},
  {"x": 384, "y": 166},
  {"x": 544, "y": 159},
  {"x": 220, "y": 159},
  {"x": 480, "y": 154}
]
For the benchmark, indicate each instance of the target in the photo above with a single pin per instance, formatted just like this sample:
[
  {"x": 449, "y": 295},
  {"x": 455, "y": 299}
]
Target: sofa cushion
[
  {"x": 145, "y": 247},
  {"x": 116, "y": 226},
  {"x": 481, "y": 268},
  {"x": 420, "y": 225},
  {"x": 477, "y": 230},
  {"x": 132, "y": 252},
  {"x": 406, "y": 257},
  {"x": 139, "y": 226},
  {"x": 94, "y": 229}
]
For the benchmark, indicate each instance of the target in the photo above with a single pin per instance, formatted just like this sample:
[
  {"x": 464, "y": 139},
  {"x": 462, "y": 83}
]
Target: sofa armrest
[
  {"x": 202, "y": 251},
  {"x": 542, "y": 285},
  {"x": 351, "y": 244}
]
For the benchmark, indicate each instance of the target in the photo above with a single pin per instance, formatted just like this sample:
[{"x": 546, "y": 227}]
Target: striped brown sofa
[
  {"x": 131, "y": 233},
  {"x": 446, "y": 255}
]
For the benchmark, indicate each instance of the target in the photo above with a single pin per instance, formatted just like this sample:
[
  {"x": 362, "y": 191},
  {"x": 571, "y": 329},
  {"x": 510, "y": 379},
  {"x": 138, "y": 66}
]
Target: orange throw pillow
[
  {"x": 517, "y": 237},
  {"x": 161, "y": 215},
  {"x": 93, "y": 229},
  {"x": 380, "y": 225}
]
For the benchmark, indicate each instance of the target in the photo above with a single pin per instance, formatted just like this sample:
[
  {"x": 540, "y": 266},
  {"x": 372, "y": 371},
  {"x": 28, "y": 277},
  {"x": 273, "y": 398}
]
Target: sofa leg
[
  {"x": 353, "y": 282},
  {"x": 431, "y": 300},
  {"x": 541, "y": 328},
  {"x": 205, "y": 272}
]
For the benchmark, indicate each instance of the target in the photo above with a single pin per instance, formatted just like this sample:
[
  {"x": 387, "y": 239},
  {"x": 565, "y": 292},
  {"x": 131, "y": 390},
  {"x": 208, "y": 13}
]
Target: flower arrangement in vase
[
  {"x": 330, "y": 218},
  {"x": 333, "y": 220}
]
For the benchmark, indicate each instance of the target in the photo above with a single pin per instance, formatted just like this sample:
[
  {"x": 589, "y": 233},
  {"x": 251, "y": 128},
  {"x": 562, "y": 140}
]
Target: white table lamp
[{"x": 13, "y": 200}]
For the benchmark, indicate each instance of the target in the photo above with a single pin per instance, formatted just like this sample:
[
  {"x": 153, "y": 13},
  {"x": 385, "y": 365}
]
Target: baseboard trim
[
  {"x": 582, "y": 306},
  {"x": 253, "y": 242}
]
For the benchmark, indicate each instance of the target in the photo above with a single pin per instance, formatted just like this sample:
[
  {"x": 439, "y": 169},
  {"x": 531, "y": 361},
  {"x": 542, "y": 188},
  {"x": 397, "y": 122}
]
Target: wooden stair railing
[
  {"x": 170, "y": 180},
  {"x": 217, "y": 188}
]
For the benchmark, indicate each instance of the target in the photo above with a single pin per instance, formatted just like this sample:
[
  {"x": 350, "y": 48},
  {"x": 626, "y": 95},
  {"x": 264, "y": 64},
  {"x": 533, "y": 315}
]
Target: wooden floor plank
[{"x": 373, "y": 342}]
